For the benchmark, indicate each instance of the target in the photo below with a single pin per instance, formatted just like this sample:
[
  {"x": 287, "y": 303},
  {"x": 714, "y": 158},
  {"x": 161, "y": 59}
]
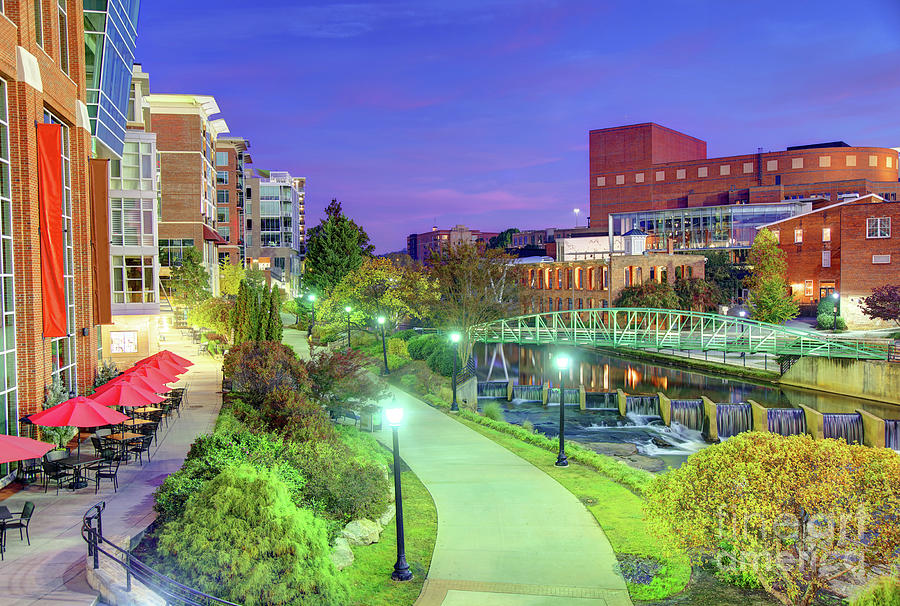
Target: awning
[{"x": 210, "y": 234}]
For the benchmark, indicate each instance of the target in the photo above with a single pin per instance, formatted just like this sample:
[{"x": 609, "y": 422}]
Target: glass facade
[
  {"x": 9, "y": 417},
  {"x": 110, "y": 32},
  {"x": 63, "y": 348},
  {"x": 133, "y": 279},
  {"x": 171, "y": 251},
  {"x": 703, "y": 228}
]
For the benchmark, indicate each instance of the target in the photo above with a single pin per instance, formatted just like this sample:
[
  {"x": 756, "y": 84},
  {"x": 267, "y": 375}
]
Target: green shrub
[
  {"x": 293, "y": 416},
  {"x": 633, "y": 479},
  {"x": 421, "y": 347},
  {"x": 396, "y": 362},
  {"x": 441, "y": 360},
  {"x": 436, "y": 401},
  {"x": 825, "y": 306},
  {"x": 528, "y": 426},
  {"x": 397, "y": 347},
  {"x": 365, "y": 447},
  {"x": 408, "y": 382},
  {"x": 827, "y": 322},
  {"x": 407, "y": 334},
  {"x": 260, "y": 367},
  {"x": 492, "y": 410},
  {"x": 242, "y": 539},
  {"x": 884, "y": 591}
]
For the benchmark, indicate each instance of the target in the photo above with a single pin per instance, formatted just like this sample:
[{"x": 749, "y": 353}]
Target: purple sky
[{"x": 477, "y": 111}]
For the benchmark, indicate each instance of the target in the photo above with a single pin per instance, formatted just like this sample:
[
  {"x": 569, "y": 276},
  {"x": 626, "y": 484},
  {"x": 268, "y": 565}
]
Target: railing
[{"x": 170, "y": 590}]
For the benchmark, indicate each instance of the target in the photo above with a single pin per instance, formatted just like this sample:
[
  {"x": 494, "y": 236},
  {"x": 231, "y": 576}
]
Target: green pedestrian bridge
[{"x": 655, "y": 329}]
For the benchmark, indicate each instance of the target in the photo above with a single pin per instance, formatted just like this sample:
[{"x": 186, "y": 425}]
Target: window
[
  {"x": 826, "y": 234},
  {"x": 660, "y": 175},
  {"x": 601, "y": 181},
  {"x": 123, "y": 341},
  {"x": 133, "y": 280},
  {"x": 824, "y": 161},
  {"x": 221, "y": 158},
  {"x": 131, "y": 222},
  {"x": 772, "y": 165},
  {"x": 826, "y": 258},
  {"x": 881, "y": 259},
  {"x": 703, "y": 171},
  {"x": 807, "y": 288},
  {"x": 8, "y": 391},
  {"x": 172, "y": 251},
  {"x": 680, "y": 173},
  {"x": 224, "y": 231},
  {"x": 873, "y": 161},
  {"x": 223, "y": 214},
  {"x": 777, "y": 234},
  {"x": 796, "y": 162},
  {"x": 889, "y": 162},
  {"x": 878, "y": 227},
  {"x": 725, "y": 170},
  {"x": 38, "y": 23},
  {"x": 222, "y": 177},
  {"x": 748, "y": 167},
  {"x": 620, "y": 179},
  {"x": 639, "y": 178},
  {"x": 136, "y": 170},
  {"x": 222, "y": 196},
  {"x": 777, "y": 179},
  {"x": 63, "y": 37},
  {"x": 851, "y": 160},
  {"x": 798, "y": 236}
]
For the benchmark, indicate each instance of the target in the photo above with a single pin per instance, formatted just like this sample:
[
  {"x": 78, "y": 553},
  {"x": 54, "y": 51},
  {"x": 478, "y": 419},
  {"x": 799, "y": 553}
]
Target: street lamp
[
  {"x": 562, "y": 364},
  {"x": 383, "y": 345},
  {"x": 312, "y": 301},
  {"x": 576, "y": 211},
  {"x": 455, "y": 338},
  {"x": 836, "y": 296},
  {"x": 348, "y": 309},
  {"x": 401, "y": 568}
]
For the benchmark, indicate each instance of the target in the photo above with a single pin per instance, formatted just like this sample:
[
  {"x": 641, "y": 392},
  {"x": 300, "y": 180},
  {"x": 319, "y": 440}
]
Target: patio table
[
  {"x": 77, "y": 463},
  {"x": 146, "y": 409},
  {"x": 125, "y": 436},
  {"x": 136, "y": 422}
]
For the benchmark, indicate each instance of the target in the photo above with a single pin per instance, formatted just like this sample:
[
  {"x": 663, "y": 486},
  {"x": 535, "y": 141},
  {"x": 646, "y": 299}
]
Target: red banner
[{"x": 50, "y": 192}]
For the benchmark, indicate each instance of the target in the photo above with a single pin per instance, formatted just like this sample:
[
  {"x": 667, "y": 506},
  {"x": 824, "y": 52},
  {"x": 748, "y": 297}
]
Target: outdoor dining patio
[{"x": 117, "y": 425}]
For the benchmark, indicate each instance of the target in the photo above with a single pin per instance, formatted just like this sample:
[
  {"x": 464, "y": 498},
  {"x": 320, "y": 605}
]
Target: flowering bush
[{"x": 260, "y": 367}]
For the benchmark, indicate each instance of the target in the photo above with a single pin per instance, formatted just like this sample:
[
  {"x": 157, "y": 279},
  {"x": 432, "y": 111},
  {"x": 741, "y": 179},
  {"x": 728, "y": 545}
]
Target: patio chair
[
  {"x": 139, "y": 447},
  {"x": 29, "y": 470},
  {"x": 107, "y": 470},
  {"x": 103, "y": 448},
  {"x": 21, "y": 522},
  {"x": 148, "y": 429},
  {"x": 60, "y": 475}
]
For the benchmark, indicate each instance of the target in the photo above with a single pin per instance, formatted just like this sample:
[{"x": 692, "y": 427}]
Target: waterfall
[
  {"x": 646, "y": 406},
  {"x": 688, "y": 413},
  {"x": 573, "y": 397},
  {"x": 786, "y": 421},
  {"x": 493, "y": 389},
  {"x": 732, "y": 419},
  {"x": 847, "y": 426},
  {"x": 601, "y": 401},
  {"x": 528, "y": 393},
  {"x": 892, "y": 433}
]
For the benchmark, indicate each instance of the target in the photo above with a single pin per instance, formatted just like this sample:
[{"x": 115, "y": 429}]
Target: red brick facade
[
  {"x": 861, "y": 256},
  {"x": 231, "y": 146},
  {"x": 26, "y": 105},
  {"x": 419, "y": 246},
  {"x": 650, "y": 167}
]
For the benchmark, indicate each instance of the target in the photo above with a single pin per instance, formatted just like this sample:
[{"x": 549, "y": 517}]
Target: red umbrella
[
  {"x": 142, "y": 380},
  {"x": 155, "y": 374},
  {"x": 15, "y": 448},
  {"x": 173, "y": 357},
  {"x": 170, "y": 368},
  {"x": 78, "y": 412},
  {"x": 125, "y": 393}
]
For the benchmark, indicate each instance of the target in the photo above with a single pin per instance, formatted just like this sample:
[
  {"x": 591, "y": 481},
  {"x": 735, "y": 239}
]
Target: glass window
[
  {"x": 807, "y": 288},
  {"x": 63, "y": 37},
  {"x": 222, "y": 177},
  {"x": 224, "y": 231},
  {"x": 131, "y": 222},
  {"x": 221, "y": 158},
  {"x": 222, "y": 215},
  {"x": 171, "y": 251},
  {"x": 777, "y": 235},
  {"x": 8, "y": 383},
  {"x": 133, "y": 279},
  {"x": 38, "y": 23},
  {"x": 222, "y": 196},
  {"x": 878, "y": 227},
  {"x": 826, "y": 234},
  {"x": 798, "y": 236},
  {"x": 826, "y": 258}
]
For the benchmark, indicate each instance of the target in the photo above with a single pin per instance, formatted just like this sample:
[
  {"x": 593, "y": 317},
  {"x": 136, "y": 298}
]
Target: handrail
[{"x": 170, "y": 590}]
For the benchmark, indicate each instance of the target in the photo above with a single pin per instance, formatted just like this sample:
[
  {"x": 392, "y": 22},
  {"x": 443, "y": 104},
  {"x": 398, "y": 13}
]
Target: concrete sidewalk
[
  {"x": 508, "y": 534},
  {"x": 51, "y": 570}
]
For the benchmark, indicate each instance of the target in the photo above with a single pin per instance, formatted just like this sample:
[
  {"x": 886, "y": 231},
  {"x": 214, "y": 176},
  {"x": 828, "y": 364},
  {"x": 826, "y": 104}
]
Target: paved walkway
[{"x": 51, "y": 570}]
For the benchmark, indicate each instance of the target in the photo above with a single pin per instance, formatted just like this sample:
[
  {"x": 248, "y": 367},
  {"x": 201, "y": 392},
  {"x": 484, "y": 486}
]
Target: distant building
[
  {"x": 275, "y": 232},
  {"x": 849, "y": 248},
  {"x": 232, "y": 160},
  {"x": 419, "y": 246}
]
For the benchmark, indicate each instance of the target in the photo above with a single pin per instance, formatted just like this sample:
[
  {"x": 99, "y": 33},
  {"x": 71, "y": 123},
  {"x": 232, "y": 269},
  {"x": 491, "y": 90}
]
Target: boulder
[
  {"x": 342, "y": 555},
  {"x": 387, "y": 516},
  {"x": 362, "y": 532}
]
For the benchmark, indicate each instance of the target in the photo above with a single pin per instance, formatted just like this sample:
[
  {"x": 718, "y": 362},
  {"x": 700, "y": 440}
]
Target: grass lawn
[
  {"x": 369, "y": 577},
  {"x": 616, "y": 509}
]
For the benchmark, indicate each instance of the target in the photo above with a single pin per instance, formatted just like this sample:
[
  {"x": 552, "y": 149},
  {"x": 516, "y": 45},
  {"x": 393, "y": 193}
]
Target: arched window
[
  {"x": 628, "y": 276},
  {"x": 559, "y": 304},
  {"x": 637, "y": 280},
  {"x": 578, "y": 303},
  {"x": 678, "y": 272},
  {"x": 540, "y": 277},
  {"x": 690, "y": 274}
]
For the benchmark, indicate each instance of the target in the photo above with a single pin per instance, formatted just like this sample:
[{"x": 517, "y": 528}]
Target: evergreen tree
[
  {"x": 276, "y": 326},
  {"x": 334, "y": 248},
  {"x": 256, "y": 322},
  {"x": 241, "y": 314},
  {"x": 190, "y": 280},
  {"x": 770, "y": 296}
]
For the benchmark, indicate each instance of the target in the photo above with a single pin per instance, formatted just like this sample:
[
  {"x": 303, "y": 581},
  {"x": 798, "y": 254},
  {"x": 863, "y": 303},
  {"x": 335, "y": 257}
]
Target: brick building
[
  {"x": 590, "y": 284},
  {"x": 232, "y": 160},
  {"x": 186, "y": 138},
  {"x": 42, "y": 81},
  {"x": 640, "y": 172},
  {"x": 418, "y": 246},
  {"x": 850, "y": 248}
]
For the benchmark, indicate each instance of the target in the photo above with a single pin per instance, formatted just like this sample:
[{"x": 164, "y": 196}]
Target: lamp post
[
  {"x": 348, "y": 309},
  {"x": 576, "y": 211},
  {"x": 562, "y": 364},
  {"x": 836, "y": 296},
  {"x": 312, "y": 301},
  {"x": 383, "y": 345},
  {"x": 401, "y": 568},
  {"x": 455, "y": 338}
]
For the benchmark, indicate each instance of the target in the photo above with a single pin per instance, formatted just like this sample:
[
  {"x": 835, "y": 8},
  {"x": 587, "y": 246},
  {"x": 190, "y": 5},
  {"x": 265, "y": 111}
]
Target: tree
[
  {"x": 400, "y": 258},
  {"x": 230, "y": 278},
  {"x": 215, "y": 314},
  {"x": 652, "y": 294},
  {"x": 190, "y": 280},
  {"x": 697, "y": 295},
  {"x": 770, "y": 296},
  {"x": 275, "y": 328},
  {"x": 60, "y": 436},
  {"x": 883, "y": 304},
  {"x": 334, "y": 248},
  {"x": 340, "y": 378},
  {"x": 503, "y": 239},
  {"x": 475, "y": 285},
  {"x": 728, "y": 276},
  {"x": 793, "y": 512}
]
